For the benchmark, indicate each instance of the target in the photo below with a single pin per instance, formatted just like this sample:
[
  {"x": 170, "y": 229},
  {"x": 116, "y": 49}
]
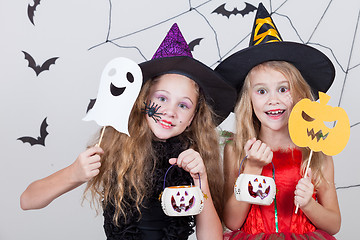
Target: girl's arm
[
  {"x": 42, "y": 192},
  {"x": 324, "y": 213},
  {"x": 258, "y": 155},
  {"x": 208, "y": 224},
  {"x": 234, "y": 212}
]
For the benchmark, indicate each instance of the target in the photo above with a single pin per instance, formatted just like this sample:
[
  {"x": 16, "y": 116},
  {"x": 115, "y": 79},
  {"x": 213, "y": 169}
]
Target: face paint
[
  {"x": 177, "y": 96},
  {"x": 151, "y": 111}
]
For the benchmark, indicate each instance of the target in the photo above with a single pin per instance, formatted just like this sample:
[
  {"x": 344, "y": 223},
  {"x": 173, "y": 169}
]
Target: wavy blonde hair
[
  {"x": 248, "y": 125},
  {"x": 127, "y": 160}
]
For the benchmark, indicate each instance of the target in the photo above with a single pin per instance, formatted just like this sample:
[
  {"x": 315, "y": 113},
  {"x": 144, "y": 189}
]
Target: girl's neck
[{"x": 279, "y": 139}]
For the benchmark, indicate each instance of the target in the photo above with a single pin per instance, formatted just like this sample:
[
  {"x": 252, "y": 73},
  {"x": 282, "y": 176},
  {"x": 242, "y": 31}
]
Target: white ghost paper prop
[{"x": 120, "y": 85}]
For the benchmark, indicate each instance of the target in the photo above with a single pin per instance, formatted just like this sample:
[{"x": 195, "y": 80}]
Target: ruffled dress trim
[
  {"x": 154, "y": 224},
  {"x": 316, "y": 235}
]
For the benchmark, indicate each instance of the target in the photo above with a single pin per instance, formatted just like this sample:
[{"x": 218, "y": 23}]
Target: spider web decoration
[
  {"x": 191, "y": 9},
  {"x": 325, "y": 12},
  {"x": 85, "y": 34},
  {"x": 324, "y": 35}
]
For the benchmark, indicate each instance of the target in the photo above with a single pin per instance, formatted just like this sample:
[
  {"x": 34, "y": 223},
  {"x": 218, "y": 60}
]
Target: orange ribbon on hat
[{"x": 271, "y": 32}]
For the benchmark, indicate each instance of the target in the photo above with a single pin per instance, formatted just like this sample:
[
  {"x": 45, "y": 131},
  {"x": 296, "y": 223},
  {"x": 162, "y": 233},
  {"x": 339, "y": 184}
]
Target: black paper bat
[
  {"x": 31, "y": 10},
  {"x": 221, "y": 10},
  {"x": 37, "y": 68},
  {"x": 39, "y": 140},
  {"x": 194, "y": 43}
]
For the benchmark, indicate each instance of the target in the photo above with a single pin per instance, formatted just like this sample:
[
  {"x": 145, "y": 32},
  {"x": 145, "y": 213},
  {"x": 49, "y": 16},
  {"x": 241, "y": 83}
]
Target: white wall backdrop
[{"x": 85, "y": 34}]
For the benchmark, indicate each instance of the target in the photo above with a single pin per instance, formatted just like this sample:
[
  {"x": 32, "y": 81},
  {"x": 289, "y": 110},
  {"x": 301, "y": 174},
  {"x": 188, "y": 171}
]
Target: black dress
[{"x": 154, "y": 224}]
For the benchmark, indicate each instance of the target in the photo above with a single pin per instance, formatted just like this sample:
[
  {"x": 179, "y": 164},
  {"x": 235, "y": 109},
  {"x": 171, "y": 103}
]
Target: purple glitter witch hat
[
  {"x": 174, "y": 56},
  {"x": 173, "y": 45}
]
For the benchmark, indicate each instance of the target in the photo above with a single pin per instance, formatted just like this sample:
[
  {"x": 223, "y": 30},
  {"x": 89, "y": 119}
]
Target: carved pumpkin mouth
[
  {"x": 319, "y": 135},
  {"x": 259, "y": 193},
  {"x": 182, "y": 206}
]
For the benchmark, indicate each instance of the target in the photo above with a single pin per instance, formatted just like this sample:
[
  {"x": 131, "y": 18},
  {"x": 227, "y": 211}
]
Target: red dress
[{"x": 260, "y": 222}]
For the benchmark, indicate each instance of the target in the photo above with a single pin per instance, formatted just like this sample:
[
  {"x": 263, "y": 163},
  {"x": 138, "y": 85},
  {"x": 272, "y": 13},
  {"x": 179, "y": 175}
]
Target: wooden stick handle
[
  {"x": 101, "y": 136},
  {"x": 306, "y": 171}
]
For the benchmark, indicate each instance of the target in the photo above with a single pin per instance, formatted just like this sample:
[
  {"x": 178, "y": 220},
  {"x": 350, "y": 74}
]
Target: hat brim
[
  {"x": 315, "y": 67},
  {"x": 218, "y": 94}
]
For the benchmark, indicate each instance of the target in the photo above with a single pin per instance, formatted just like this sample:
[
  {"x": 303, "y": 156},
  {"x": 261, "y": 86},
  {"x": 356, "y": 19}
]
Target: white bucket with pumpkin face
[
  {"x": 182, "y": 200},
  {"x": 255, "y": 189}
]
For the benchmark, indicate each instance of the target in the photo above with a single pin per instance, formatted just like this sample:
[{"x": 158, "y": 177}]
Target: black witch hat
[
  {"x": 266, "y": 44},
  {"x": 174, "y": 56}
]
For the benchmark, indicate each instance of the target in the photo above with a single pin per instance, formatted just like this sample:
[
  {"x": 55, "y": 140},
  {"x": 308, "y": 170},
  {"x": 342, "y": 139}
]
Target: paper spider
[{"x": 151, "y": 111}]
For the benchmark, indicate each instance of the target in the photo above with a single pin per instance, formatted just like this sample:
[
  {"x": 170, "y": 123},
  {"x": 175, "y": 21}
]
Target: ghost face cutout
[
  {"x": 182, "y": 200},
  {"x": 120, "y": 85},
  {"x": 255, "y": 189}
]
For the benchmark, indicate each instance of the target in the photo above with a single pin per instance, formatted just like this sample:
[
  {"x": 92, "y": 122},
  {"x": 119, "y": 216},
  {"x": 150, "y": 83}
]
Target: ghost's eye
[
  {"x": 112, "y": 72},
  {"x": 130, "y": 77}
]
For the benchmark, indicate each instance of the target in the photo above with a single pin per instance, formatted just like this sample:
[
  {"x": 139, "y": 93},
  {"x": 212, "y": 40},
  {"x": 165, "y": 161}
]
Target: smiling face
[
  {"x": 177, "y": 97},
  {"x": 271, "y": 98},
  {"x": 119, "y": 87}
]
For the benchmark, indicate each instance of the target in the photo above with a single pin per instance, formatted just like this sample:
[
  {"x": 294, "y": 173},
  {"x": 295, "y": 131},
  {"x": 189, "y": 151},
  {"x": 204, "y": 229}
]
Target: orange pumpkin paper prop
[{"x": 307, "y": 127}]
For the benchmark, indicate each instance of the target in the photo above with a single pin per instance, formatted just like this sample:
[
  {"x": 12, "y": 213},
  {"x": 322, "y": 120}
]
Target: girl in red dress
[{"x": 271, "y": 76}]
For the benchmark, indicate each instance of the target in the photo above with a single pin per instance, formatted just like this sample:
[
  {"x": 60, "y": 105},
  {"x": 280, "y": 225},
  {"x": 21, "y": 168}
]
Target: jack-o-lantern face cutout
[
  {"x": 182, "y": 200},
  {"x": 258, "y": 188},
  {"x": 255, "y": 189},
  {"x": 307, "y": 126}
]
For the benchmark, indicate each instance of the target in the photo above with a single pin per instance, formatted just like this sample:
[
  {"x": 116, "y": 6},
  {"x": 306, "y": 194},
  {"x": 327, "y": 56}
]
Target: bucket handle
[{"x": 168, "y": 171}]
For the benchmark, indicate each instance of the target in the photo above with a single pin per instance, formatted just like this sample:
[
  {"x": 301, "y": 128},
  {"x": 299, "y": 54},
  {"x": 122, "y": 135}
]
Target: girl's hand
[
  {"x": 258, "y": 155},
  {"x": 304, "y": 191},
  {"x": 191, "y": 161},
  {"x": 87, "y": 165}
]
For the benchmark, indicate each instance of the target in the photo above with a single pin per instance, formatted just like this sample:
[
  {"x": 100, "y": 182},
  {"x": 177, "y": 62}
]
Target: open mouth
[
  {"x": 318, "y": 135},
  {"x": 259, "y": 193},
  {"x": 116, "y": 91},
  {"x": 166, "y": 123},
  {"x": 275, "y": 112}
]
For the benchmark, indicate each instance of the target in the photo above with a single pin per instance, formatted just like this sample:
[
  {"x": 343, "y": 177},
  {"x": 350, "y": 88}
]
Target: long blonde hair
[
  {"x": 126, "y": 160},
  {"x": 248, "y": 125}
]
